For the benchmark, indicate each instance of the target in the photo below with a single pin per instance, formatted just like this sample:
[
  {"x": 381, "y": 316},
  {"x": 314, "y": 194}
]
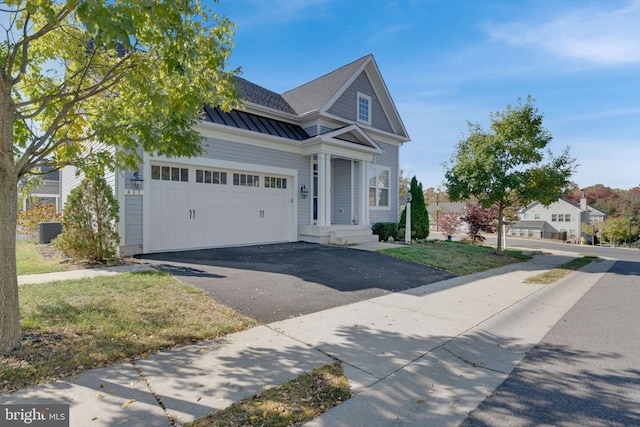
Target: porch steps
[
  {"x": 337, "y": 234},
  {"x": 349, "y": 237}
]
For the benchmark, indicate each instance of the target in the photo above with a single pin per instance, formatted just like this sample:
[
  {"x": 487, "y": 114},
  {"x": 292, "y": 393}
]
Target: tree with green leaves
[
  {"x": 619, "y": 230},
  {"x": 505, "y": 166},
  {"x": 128, "y": 75},
  {"x": 419, "y": 215},
  {"x": 90, "y": 222}
]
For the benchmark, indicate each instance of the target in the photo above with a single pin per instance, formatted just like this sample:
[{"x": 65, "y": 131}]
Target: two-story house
[
  {"x": 560, "y": 220},
  {"x": 318, "y": 163}
]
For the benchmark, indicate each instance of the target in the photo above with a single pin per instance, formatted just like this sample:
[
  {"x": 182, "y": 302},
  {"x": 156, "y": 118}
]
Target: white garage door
[{"x": 198, "y": 207}]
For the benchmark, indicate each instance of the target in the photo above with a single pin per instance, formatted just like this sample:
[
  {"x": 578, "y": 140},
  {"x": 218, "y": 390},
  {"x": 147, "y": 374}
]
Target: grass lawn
[
  {"x": 30, "y": 259},
  {"x": 455, "y": 257},
  {"x": 73, "y": 326}
]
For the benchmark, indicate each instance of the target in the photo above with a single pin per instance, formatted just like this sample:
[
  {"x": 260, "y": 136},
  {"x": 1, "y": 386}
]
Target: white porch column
[
  {"x": 324, "y": 189},
  {"x": 327, "y": 185},
  {"x": 364, "y": 194}
]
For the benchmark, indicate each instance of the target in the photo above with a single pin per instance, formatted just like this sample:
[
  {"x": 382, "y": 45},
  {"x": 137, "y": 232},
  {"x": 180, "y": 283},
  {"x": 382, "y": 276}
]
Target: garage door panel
[{"x": 197, "y": 214}]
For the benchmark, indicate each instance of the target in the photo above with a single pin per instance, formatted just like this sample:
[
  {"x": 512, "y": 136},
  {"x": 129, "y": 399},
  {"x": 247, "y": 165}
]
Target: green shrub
[
  {"x": 28, "y": 221},
  {"x": 89, "y": 222},
  {"x": 384, "y": 230}
]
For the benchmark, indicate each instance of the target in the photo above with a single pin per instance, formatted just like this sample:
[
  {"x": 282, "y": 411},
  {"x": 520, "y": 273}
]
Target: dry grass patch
[
  {"x": 72, "y": 326},
  {"x": 290, "y": 404},
  {"x": 33, "y": 258},
  {"x": 561, "y": 271}
]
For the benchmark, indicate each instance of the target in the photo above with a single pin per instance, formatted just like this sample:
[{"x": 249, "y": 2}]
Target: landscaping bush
[
  {"x": 384, "y": 230},
  {"x": 89, "y": 222},
  {"x": 28, "y": 221}
]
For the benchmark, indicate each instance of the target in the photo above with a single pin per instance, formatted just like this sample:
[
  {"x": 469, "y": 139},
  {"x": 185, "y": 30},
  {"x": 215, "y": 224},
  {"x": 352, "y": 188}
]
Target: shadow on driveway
[{"x": 278, "y": 281}]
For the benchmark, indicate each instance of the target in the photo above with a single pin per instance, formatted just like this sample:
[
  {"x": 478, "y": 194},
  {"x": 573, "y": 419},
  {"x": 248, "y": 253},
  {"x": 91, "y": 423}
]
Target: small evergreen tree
[
  {"x": 419, "y": 215},
  {"x": 89, "y": 222}
]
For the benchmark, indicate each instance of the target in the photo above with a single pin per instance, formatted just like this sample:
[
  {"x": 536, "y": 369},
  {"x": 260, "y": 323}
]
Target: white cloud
[{"x": 598, "y": 36}]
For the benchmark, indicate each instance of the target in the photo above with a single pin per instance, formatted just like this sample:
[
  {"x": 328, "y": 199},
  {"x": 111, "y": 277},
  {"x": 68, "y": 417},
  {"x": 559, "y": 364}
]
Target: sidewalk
[
  {"x": 421, "y": 357},
  {"x": 80, "y": 274}
]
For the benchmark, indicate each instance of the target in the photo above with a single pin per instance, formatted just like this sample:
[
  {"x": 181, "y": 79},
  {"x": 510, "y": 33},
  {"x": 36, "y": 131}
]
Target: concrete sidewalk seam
[
  {"x": 469, "y": 362},
  {"x": 172, "y": 421}
]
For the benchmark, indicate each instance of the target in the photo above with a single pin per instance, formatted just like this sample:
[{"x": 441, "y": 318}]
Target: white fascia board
[
  {"x": 344, "y": 87},
  {"x": 380, "y": 135},
  {"x": 382, "y": 92},
  {"x": 388, "y": 105},
  {"x": 248, "y": 137},
  {"x": 261, "y": 110},
  {"x": 211, "y": 162},
  {"x": 319, "y": 146},
  {"x": 332, "y": 138}
]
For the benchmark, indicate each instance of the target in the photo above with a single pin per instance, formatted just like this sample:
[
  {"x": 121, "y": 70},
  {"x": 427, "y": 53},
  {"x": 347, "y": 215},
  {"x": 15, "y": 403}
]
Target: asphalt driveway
[{"x": 279, "y": 281}]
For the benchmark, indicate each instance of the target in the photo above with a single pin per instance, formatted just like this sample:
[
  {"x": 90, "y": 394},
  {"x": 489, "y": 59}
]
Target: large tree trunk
[{"x": 9, "y": 303}]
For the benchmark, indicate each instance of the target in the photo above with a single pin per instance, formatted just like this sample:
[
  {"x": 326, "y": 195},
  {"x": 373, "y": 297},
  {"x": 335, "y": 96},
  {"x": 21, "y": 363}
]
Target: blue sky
[{"x": 447, "y": 62}]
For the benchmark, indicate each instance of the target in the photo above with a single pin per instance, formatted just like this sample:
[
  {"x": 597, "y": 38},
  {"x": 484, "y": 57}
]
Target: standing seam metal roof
[{"x": 243, "y": 120}]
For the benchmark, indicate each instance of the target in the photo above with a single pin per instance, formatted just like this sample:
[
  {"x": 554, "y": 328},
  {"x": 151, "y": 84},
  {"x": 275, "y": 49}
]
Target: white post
[
  {"x": 407, "y": 230},
  {"x": 504, "y": 234},
  {"x": 322, "y": 185}
]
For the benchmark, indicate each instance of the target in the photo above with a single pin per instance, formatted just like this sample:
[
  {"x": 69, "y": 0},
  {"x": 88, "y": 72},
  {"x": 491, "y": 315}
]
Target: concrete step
[{"x": 346, "y": 237}]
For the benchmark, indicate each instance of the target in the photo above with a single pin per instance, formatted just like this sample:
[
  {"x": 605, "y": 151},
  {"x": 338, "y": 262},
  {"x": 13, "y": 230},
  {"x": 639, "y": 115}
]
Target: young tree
[
  {"x": 419, "y": 215},
  {"x": 128, "y": 74},
  {"x": 450, "y": 222},
  {"x": 479, "y": 220},
  {"x": 504, "y": 166}
]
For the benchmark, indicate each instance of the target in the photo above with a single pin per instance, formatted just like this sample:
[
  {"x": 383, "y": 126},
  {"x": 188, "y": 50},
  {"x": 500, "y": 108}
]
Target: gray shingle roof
[
  {"x": 317, "y": 93},
  {"x": 253, "y": 93}
]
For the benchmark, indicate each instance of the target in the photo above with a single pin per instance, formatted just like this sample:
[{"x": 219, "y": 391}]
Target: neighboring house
[
  {"x": 318, "y": 163},
  {"x": 560, "y": 220},
  {"x": 436, "y": 210},
  {"x": 47, "y": 192}
]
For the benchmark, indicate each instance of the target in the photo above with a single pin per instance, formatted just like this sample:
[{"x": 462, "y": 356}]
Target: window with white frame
[
  {"x": 169, "y": 173},
  {"x": 364, "y": 109},
  {"x": 275, "y": 182},
  {"x": 246, "y": 180},
  {"x": 379, "y": 186}
]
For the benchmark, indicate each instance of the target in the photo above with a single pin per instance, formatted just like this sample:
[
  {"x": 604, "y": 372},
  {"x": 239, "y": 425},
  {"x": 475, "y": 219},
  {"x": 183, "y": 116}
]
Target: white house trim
[{"x": 243, "y": 136}]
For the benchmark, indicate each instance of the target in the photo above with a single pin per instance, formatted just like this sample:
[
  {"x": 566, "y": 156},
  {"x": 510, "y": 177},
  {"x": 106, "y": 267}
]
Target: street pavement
[
  {"x": 424, "y": 356},
  {"x": 586, "y": 370}
]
